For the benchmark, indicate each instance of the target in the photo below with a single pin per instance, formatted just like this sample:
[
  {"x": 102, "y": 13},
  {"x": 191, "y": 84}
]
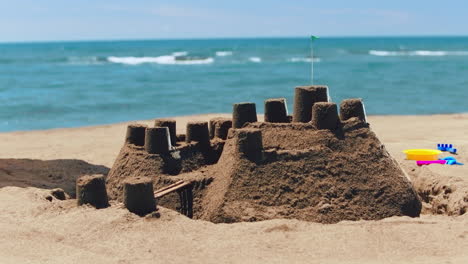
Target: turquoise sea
[{"x": 70, "y": 84}]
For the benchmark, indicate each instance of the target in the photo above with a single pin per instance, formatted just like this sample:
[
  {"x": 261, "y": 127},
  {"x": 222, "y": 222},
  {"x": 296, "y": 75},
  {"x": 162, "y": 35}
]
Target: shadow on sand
[{"x": 46, "y": 174}]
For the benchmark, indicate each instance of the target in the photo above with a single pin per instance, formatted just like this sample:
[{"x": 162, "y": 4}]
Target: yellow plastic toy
[{"x": 422, "y": 154}]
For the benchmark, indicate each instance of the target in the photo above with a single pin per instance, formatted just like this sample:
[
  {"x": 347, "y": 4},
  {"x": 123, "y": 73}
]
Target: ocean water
[{"x": 70, "y": 84}]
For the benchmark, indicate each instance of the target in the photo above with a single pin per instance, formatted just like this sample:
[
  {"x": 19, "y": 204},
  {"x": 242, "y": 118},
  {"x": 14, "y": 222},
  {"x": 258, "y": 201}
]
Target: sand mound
[
  {"x": 441, "y": 194},
  {"x": 326, "y": 176},
  {"x": 47, "y": 174}
]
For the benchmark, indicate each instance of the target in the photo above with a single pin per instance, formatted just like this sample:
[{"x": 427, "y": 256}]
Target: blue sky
[{"x": 29, "y": 20}]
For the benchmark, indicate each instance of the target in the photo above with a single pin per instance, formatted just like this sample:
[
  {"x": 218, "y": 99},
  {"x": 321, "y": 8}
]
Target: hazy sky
[{"x": 25, "y": 20}]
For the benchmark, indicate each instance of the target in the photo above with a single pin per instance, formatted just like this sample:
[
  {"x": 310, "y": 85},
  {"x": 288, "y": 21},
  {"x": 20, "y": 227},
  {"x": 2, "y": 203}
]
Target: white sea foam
[
  {"x": 255, "y": 59},
  {"x": 166, "y": 59},
  {"x": 303, "y": 59},
  {"x": 223, "y": 53},
  {"x": 387, "y": 53},
  {"x": 179, "y": 53}
]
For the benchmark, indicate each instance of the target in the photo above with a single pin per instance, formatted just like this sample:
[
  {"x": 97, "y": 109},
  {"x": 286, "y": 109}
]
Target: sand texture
[
  {"x": 309, "y": 174},
  {"x": 38, "y": 228},
  {"x": 278, "y": 170}
]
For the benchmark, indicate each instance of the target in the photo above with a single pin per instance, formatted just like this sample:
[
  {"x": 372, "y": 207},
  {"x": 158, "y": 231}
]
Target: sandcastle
[{"x": 319, "y": 164}]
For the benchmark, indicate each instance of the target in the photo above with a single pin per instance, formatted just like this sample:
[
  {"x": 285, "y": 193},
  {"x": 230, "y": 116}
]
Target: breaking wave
[
  {"x": 166, "y": 59},
  {"x": 303, "y": 60},
  {"x": 387, "y": 53},
  {"x": 223, "y": 53},
  {"x": 255, "y": 59},
  {"x": 179, "y": 53}
]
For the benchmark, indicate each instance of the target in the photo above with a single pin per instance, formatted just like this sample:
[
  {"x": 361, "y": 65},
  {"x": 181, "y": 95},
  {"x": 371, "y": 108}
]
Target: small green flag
[{"x": 313, "y": 38}]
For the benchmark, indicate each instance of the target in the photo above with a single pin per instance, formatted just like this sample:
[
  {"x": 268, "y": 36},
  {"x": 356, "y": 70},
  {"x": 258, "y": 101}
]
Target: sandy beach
[
  {"x": 231, "y": 132},
  {"x": 35, "y": 230}
]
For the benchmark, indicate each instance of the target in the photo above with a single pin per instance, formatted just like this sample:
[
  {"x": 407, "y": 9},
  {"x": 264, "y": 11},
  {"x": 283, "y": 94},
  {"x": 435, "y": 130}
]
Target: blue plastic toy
[
  {"x": 447, "y": 147},
  {"x": 451, "y": 161}
]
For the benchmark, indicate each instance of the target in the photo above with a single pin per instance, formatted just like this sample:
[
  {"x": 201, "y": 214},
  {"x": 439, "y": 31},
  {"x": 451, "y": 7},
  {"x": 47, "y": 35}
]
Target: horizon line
[{"x": 226, "y": 38}]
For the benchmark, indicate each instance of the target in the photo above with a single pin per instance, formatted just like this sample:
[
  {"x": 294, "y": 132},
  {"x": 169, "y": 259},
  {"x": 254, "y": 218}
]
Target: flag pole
[
  {"x": 312, "y": 38},
  {"x": 311, "y": 61}
]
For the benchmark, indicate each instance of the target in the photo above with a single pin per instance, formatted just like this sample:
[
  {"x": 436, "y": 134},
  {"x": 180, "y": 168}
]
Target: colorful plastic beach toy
[
  {"x": 447, "y": 147},
  {"x": 451, "y": 161},
  {"x": 427, "y": 162},
  {"x": 446, "y": 160},
  {"x": 422, "y": 154}
]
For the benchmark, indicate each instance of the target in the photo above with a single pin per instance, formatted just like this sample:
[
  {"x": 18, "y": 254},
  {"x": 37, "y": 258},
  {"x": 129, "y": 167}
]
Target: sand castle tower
[{"x": 320, "y": 164}]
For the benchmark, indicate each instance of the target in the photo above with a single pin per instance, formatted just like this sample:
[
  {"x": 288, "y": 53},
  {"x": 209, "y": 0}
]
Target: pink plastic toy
[{"x": 427, "y": 162}]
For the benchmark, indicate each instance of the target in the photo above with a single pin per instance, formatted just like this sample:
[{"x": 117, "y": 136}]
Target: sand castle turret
[
  {"x": 219, "y": 127},
  {"x": 325, "y": 115},
  {"x": 139, "y": 195},
  {"x": 243, "y": 113},
  {"x": 249, "y": 143},
  {"x": 157, "y": 140},
  {"x": 91, "y": 189},
  {"x": 198, "y": 132},
  {"x": 276, "y": 111},
  {"x": 352, "y": 108},
  {"x": 136, "y": 134},
  {"x": 304, "y": 99},
  {"x": 171, "y": 125}
]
